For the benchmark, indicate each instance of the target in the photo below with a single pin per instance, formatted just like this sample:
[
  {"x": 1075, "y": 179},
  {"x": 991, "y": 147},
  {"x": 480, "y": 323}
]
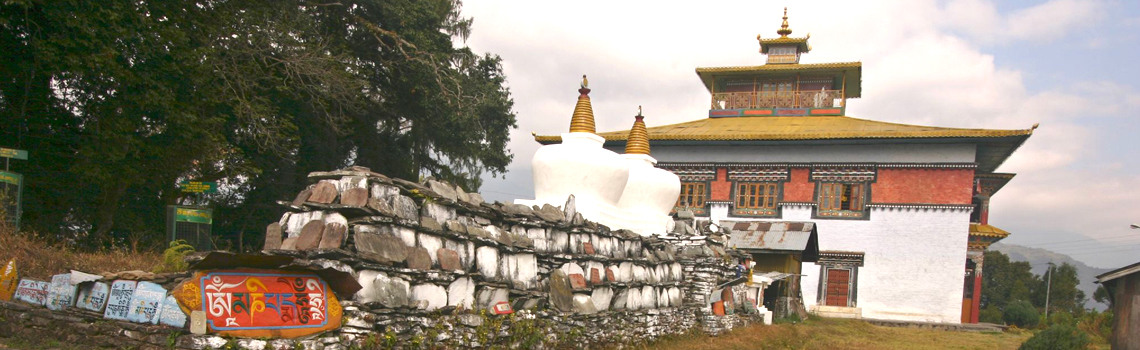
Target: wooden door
[{"x": 838, "y": 287}]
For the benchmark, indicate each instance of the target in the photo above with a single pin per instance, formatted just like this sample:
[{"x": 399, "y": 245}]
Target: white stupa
[{"x": 650, "y": 192}]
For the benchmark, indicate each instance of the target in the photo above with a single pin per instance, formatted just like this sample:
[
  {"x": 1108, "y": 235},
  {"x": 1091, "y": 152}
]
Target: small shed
[
  {"x": 1123, "y": 287},
  {"x": 779, "y": 247}
]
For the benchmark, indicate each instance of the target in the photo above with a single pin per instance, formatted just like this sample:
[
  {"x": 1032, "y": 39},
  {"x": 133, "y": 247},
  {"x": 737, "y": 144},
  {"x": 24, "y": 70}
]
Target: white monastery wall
[
  {"x": 913, "y": 265},
  {"x": 896, "y": 153}
]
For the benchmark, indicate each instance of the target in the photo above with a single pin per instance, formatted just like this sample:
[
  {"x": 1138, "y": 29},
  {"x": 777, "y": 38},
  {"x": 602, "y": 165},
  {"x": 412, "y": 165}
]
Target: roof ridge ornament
[
  {"x": 784, "y": 31},
  {"x": 638, "y": 140},
  {"x": 583, "y": 118}
]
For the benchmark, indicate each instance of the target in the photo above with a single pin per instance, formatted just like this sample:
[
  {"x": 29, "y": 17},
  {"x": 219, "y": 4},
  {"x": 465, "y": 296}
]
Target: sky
[{"x": 1070, "y": 65}]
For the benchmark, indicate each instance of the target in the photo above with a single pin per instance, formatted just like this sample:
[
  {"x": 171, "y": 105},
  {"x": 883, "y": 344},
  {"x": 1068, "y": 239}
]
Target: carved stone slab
[
  {"x": 146, "y": 303},
  {"x": 93, "y": 296},
  {"x": 9, "y": 280},
  {"x": 61, "y": 293},
  {"x": 119, "y": 300},
  {"x": 171, "y": 314},
  {"x": 32, "y": 292},
  {"x": 259, "y": 303}
]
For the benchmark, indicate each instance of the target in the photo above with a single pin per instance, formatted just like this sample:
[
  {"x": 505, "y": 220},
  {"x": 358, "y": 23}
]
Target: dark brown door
[{"x": 838, "y": 285}]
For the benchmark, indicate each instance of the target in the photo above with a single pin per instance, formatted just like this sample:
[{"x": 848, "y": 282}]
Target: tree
[
  {"x": 1064, "y": 296},
  {"x": 119, "y": 100},
  {"x": 1004, "y": 281},
  {"x": 1101, "y": 296}
]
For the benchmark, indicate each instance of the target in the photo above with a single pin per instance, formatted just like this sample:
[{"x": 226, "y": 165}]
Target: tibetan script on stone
[
  {"x": 61, "y": 293},
  {"x": 32, "y": 292},
  {"x": 93, "y": 296},
  {"x": 119, "y": 300},
  {"x": 171, "y": 314},
  {"x": 146, "y": 303},
  {"x": 260, "y": 303}
]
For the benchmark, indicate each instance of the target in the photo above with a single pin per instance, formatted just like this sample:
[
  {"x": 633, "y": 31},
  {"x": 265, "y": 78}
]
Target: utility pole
[{"x": 1048, "y": 287}]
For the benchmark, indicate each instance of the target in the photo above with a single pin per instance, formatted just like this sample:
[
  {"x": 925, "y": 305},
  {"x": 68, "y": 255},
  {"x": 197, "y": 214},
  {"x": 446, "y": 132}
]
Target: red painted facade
[
  {"x": 720, "y": 189},
  {"x": 923, "y": 186},
  {"x": 798, "y": 188}
]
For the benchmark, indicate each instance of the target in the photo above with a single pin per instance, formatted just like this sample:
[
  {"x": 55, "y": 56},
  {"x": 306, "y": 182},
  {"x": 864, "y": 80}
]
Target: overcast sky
[{"x": 1070, "y": 65}]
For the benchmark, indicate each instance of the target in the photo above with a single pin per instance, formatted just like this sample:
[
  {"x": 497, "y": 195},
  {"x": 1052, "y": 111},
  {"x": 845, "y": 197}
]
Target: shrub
[
  {"x": 991, "y": 314},
  {"x": 174, "y": 258},
  {"x": 1057, "y": 337},
  {"x": 1020, "y": 313},
  {"x": 1061, "y": 317}
]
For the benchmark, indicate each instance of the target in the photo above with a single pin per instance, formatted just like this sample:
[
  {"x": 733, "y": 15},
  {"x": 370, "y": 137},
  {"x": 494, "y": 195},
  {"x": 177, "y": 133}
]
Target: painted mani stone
[
  {"x": 146, "y": 303},
  {"x": 119, "y": 300},
  {"x": 261, "y": 303},
  {"x": 32, "y": 292},
  {"x": 171, "y": 314},
  {"x": 61, "y": 293},
  {"x": 93, "y": 296},
  {"x": 9, "y": 280}
]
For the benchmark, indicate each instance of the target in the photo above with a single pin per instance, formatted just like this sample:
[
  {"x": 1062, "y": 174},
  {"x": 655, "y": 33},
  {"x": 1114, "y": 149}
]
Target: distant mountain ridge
[{"x": 1040, "y": 258}]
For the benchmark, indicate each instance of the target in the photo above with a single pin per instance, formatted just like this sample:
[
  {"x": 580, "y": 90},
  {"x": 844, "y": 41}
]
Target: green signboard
[
  {"x": 12, "y": 178},
  {"x": 200, "y": 216},
  {"x": 198, "y": 186},
  {"x": 13, "y": 153}
]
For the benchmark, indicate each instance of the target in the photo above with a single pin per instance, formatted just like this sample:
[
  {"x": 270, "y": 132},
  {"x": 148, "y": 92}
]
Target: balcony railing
[{"x": 777, "y": 99}]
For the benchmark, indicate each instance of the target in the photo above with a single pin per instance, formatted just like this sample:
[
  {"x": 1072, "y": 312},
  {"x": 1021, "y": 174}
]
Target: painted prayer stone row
[
  {"x": 140, "y": 302},
  {"x": 261, "y": 303}
]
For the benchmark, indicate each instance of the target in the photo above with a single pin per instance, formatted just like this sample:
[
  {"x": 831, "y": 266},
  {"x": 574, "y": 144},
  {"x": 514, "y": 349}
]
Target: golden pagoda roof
[
  {"x": 853, "y": 71},
  {"x": 638, "y": 139},
  {"x": 583, "y": 118},
  {"x": 987, "y": 231},
  {"x": 994, "y": 146}
]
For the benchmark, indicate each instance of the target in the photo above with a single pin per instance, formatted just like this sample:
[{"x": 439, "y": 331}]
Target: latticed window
[
  {"x": 692, "y": 195},
  {"x": 756, "y": 195},
  {"x": 841, "y": 196}
]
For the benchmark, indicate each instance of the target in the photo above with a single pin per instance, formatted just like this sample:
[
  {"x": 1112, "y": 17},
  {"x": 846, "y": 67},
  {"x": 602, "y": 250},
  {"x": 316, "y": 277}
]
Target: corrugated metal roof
[{"x": 778, "y": 235}]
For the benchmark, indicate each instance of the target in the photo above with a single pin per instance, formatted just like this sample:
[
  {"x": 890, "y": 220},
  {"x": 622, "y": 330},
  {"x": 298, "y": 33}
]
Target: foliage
[
  {"x": 990, "y": 314},
  {"x": 120, "y": 100},
  {"x": 1064, "y": 296},
  {"x": 1004, "y": 281},
  {"x": 1020, "y": 313},
  {"x": 1101, "y": 296},
  {"x": 1097, "y": 324},
  {"x": 1057, "y": 337},
  {"x": 174, "y": 257},
  {"x": 37, "y": 258}
]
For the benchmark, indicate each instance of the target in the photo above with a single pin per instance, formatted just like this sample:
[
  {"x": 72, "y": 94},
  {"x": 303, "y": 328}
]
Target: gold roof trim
[
  {"x": 987, "y": 231},
  {"x": 583, "y": 118},
  {"x": 798, "y": 128},
  {"x": 771, "y": 67},
  {"x": 638, "y": 137}
]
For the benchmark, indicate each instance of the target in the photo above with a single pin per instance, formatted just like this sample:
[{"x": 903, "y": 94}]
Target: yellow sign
[
  {"x": 198, "y": 186},
  {"x": 9, "y": 280}
]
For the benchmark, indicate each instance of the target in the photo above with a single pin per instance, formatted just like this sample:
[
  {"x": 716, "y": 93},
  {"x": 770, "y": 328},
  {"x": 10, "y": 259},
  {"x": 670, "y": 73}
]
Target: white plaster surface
[
  {"x": 601, "y": 298},
  {"x": 579, "y": 166},
  {"x": 434, "y": 296},
  {"x": 461, "y": 292},
  {"x": 487, "y": 259},
  {"x": 650, "y": 191}
]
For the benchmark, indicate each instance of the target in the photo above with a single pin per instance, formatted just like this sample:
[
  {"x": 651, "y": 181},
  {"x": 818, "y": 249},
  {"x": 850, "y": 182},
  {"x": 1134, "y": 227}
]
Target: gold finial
[
  {"x": 784, "y": 31},
  {"x": 583, "y": 119},
  {"x": 638, "y": 140}
]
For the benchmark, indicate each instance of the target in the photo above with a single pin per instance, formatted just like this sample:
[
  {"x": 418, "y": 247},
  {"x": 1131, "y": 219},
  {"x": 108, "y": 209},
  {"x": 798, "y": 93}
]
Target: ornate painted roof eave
[
  {"x": 801, "y": 43},
  {"x": 987, "y": 231},
  {"x": 994, "y": 180},
  {"x": 853, "y": 70}
]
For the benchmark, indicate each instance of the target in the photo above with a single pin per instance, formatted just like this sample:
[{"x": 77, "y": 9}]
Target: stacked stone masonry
[{"x": 439, "y": 266}]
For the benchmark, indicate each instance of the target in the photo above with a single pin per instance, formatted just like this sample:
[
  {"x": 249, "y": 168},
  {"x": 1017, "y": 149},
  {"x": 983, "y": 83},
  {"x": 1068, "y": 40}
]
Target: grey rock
[
  {"x": 549, "y": 213},
  {"x": 442, "y": 189},
  {"x": 584, "y": 305},
  {"x": 517, "y": 210},
  {"x": 685, "y": 215},
  {"x": 272, "y": 237},
  {"x": 419, "y": 259},
  {"x": 430, "y": 224},
  {"x": 475, "y": 199},
  {"x": 311, "y": 234},
  {"x": 405, "y": 208},
  {"x": 334, "y": 236},
  {"x": 561, "y": 295},
  {"x": 355, "y": 197},
  {"x": 324, "y": 192},
  {"x": 570, "y": 209},
  {"x": 471, "y": 320},
  {"x": 381, "y": 247},
  {"x": 455, "y": 226}
]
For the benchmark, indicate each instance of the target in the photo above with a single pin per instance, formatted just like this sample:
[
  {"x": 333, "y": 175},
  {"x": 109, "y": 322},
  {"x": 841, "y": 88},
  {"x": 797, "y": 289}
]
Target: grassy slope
[
  {"x": 842, "y": 334},
  {"x": 38, "y": 260}
]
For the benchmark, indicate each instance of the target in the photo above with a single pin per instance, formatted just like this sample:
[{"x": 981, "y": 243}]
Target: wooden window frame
[
  {"x": 757, "y": 195},
  {"x": 692, "y": 191},
  {"x": 845, "y": 200}
]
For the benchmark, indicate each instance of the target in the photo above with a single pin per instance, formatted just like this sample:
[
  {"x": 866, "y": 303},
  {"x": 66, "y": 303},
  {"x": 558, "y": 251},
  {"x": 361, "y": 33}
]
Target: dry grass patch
[
  {"x": 819, "y": 333},
  {"x": 37, "y": 259}
]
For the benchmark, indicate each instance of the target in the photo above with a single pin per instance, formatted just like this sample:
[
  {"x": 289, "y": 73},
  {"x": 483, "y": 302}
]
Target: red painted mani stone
[{"x": 577, "y": 281}]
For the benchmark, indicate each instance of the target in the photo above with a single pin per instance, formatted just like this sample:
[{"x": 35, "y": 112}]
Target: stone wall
[{"x": 439, "y": 266}]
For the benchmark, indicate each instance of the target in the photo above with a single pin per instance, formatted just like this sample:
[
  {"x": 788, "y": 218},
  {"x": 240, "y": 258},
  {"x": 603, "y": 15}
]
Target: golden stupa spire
[
  {"x": 784, "y": 31},
  {"x": 583, "y": 119},
  {"x": 638, "y": 140}
]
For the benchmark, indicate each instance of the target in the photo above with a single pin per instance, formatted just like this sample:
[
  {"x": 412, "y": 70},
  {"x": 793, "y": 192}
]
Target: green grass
[{"x": 820, "y": 333}]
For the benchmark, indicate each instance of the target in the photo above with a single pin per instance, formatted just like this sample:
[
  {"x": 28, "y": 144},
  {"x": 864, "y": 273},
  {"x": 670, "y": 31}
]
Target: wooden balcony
[{"x": 777, "y": 99}]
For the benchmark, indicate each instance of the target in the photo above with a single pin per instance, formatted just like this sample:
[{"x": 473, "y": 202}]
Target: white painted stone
[
  {"x": 662, "y": 297},
  {"x": 293, "y": 226},
  {"x": 470, "y": 249},
  {"x": 432, "y": 244},
  {"x": 434, "y": 296},
  {"x": 489, "y": 296},
  {"x": 349, "y": 182},
  {"x": 333, "y": 217},
  {"x": 633, "y": 299},
  {"x": 488, "y": 262},
  {"x": 620, "y": 299},
  {"x": 461, "y": 293},
  {"x": 576, "y": 240},
  {"x": 648, "y": 297},
  {"x": 559, "y": 241},
  {"x": 439, "y": 212},
  {"x": 538, "y": 234},
  {"x": 584, "y": 305},
  {"x": 525, "y": 273},
  {"x": 624, "y": 272},
  {"x": 385, "y": 192},
  {"x": 572, "y": 268},
  {"x": 601, "y": 298},
  {"x": 678, "y": 271},
  {"x": 675, "y": 297}
]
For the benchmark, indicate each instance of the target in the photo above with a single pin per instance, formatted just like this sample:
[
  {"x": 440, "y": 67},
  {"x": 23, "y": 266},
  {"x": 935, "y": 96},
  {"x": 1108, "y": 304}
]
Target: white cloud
[{"x": 923, "y": 64}]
